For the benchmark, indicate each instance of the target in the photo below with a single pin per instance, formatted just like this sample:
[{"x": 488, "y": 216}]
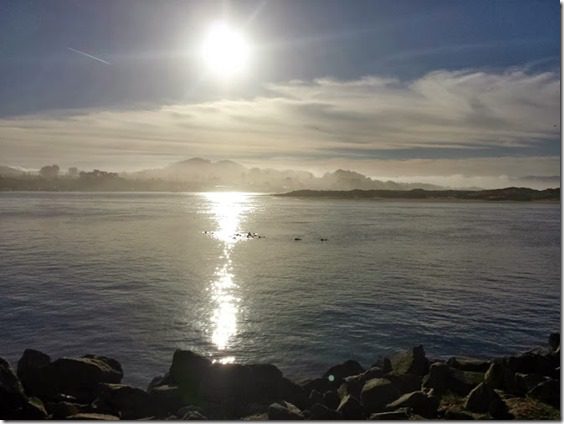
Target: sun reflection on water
[{"x": 228, "y": 211}]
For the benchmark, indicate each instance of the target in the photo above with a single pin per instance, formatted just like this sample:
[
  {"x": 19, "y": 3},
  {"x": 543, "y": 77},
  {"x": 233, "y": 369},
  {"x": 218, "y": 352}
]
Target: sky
[{"x": 456, "y": 92}]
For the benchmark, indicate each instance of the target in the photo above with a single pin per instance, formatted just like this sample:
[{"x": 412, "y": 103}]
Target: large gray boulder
[
  {"x": 130, "y": 403},
  {"x": 443, "y": 379},
  {"x": 377, "y": 393},
  {"x": 484, "y": 399},
  {"x": 34, "y": 372},
  {"x": 465, "y": 363},
  {"x": 284, "y": 411},
  {"x": 353, "y": 384}
]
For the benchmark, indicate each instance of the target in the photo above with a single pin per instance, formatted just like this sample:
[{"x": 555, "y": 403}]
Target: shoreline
[{"x": 407, "y": 385}]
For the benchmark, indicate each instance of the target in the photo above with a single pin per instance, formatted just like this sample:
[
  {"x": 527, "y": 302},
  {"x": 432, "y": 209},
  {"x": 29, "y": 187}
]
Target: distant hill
[
  {"x": 7, "y": 171},
  {"x": 226, "y": 174},
  {"x": 504, "y": 194}
]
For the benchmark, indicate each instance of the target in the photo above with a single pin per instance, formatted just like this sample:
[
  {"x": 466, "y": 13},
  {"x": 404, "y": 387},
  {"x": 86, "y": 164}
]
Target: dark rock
[
  {"x": 188, "y": 368},
  {"x": 443, "y": 379},
  {"x": 384, "y": 364},
  {"x": 318, "y": 411},
  {"x": 412, "y": 361},
  {"x": 351, "y": 409},
  {"x": 93, "y": 417},
  {"x": 526, "y": 382},
  {"x": 131, "y": 403},
  {"x": 319, "y": 384},
  {"x": 468, "y": 364},
  {"x": 353, "y": 384},
  {"x": 284, "y": 411},
  {"x": 500, "y": 376},
  {"x": 454, "y": 413},
  {"x": 193, "y": 416},
  {"x": 534, "y": 362},
  {"x": 484, "y": 399},
  {"x": 164, "y": 380},
  {"x": 377, "y": 393},
  {"x": 80, "y": 377},
  {"x": 418, "y": 401},
  {"x": 61, "y": 410},
  {"x": 12, "y": 395},
  {"x": 554, "y": 341},
  {"x": 405, "y": 383},
  {"x": 167, "y": 398},
  {"x": 33, "y": 409},
  {"x": 337, "y": 373},
  {"x": 547, "y": 392},
  {"x": 33, "y": 371},
  {"x": 402, "y": 414},
  {"x": 331, "y": 399},
  {"x": 315, "y": 397}
]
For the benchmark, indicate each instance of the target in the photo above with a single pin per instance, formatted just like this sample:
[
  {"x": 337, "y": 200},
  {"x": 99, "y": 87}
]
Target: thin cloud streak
[{"x": 88, "y": 55}]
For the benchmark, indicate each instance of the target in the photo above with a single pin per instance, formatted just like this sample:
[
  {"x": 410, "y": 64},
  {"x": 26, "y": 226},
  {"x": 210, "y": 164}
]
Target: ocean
[{"x": 134, "y": 276}]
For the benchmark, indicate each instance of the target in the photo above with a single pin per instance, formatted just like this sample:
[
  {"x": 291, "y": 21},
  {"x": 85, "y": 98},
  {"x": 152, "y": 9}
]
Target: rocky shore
[{"x": 405, "y": 386}]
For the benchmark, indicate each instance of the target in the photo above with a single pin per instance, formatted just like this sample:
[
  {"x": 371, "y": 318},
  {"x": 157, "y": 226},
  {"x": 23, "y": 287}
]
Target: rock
[
  {"x": 315, "y": 397},
  {"x": 418, "y": 401},
  {"x": 193, "y": 416},
  {"x": 554, "y": 341},
  {"x": 547, "y": 392},
  {"x": 402, "y": 414},
  {"x": 61, "y": 410},
  {"x": 92, "y": 416},
  {"x": 499, "y": 376},
  {"x": 410, "y": 362},
  {"x": 534, "y": 362},
  {"x": 352, "y": 385},
  {"x": 454, "y": 413},
  {"x": 284, "y": 411},
  {"x": 34, "y": 409},
  {"x": 131, "y": 403},
  {"x": 405, "y": 383},
  {"x": 384, "y": 364},
  {"x": 468, "y": 364},
  {"x": 34, "y": 373},
  {"x": 377, "y": 393},
  {"x": 484, "y": 399},
  {"x": 164, "y": 380},
  {"x": 526, "y": 382},
  {"x": 331, "y": 399},
  {"x": 12, "y": 395},
  {"x": 318, "y": 411},
  {"x": 351, "y": 409},
  {"x": 167, "y": 398},
  {"x": 337, "y": 373},
  {"x": 319, "y": 384},
  {"x": 443, "y": 379},
  {"x": 80, "y": 377},
  {"x": 188, "y": 368}
]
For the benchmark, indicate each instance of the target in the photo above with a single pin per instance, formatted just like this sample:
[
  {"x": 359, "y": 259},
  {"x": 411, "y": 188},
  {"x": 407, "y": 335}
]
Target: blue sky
[{"x": 500, "y": 58}]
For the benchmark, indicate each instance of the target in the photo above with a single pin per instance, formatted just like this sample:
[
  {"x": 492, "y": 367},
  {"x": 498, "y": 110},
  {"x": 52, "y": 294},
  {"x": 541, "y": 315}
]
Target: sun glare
[{"x": 225, "y": 51}]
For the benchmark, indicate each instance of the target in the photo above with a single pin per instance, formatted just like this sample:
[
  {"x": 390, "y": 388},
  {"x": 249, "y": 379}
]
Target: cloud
[{"x": 320, "y": 120}]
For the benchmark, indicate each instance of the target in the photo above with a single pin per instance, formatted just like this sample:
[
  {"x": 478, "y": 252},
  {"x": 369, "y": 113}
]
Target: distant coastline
[{"x": 504, "y": 194}]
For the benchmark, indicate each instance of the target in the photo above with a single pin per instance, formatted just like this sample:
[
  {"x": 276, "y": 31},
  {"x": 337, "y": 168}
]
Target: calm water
[{"x": 134, "y": 276}]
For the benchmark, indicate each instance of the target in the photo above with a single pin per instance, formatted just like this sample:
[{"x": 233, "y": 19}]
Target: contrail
[{"x": 88, "y": 55}]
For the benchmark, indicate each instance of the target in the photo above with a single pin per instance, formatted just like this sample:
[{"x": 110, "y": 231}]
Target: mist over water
[{"x": 134, "y": 276}]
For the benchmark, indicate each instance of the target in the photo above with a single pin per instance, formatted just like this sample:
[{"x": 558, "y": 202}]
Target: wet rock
[
  {"x": 93, "y": 417},
  {"x": 377, "y": 393},
  {"x": 331, "y": 399},
  {"x": 319, "y": 384},
  {"x": 284, "y": 411},
  {"x": 384, "y": 364},
  {"x": 318, "y": 411},
  {"x": 337, "y": 373},
  {"x": 350, "y": 408},
  {"x": 61, "y": 410},
  {"x": 412, "y": 361},
  {"x": 418, "y": 401},
  {"x": 535, "y": 362},
  {"x": 464, "y": 363},
  {"x": 315, "y": 397},
  {"x": 547, "y": 392},
  {"x": 527, "y": 381},
  {"x": 484, "y": 399},
  {"x": 402, "y": 414}
]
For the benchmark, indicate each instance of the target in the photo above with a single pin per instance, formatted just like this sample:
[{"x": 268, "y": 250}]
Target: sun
[{"x": 225, "y": 51}]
